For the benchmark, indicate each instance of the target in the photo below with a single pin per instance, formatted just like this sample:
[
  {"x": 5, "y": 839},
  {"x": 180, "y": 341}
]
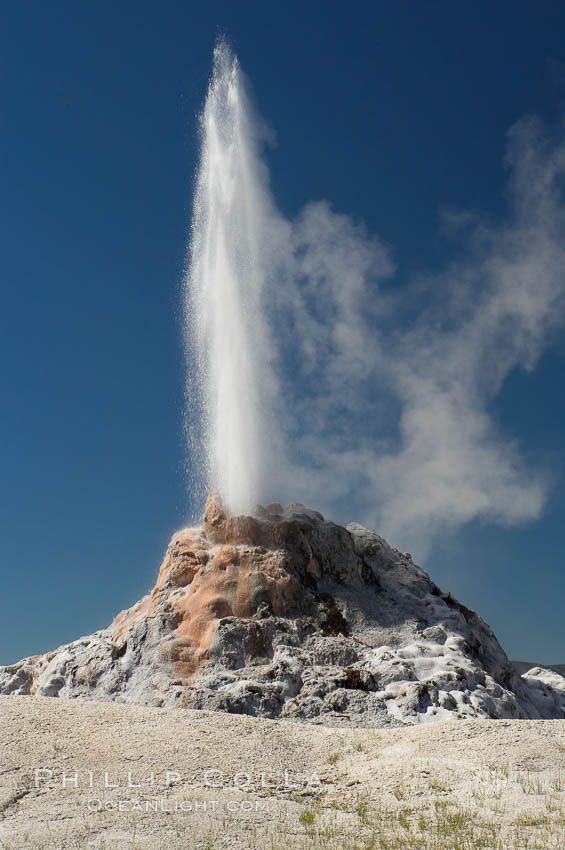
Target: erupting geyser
[
  {"x": 283, "y": 613},
  {"x": 227, "y": 343},
  {"x": 265, "y": 610}
]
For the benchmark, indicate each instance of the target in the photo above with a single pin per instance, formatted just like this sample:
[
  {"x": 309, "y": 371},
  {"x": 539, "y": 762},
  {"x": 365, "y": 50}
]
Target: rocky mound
[{"x": 285, "y": 614}]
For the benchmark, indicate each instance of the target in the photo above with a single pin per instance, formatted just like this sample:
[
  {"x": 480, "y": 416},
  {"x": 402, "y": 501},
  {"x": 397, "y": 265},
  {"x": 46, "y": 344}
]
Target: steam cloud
[{"x": 369, "y": 398}]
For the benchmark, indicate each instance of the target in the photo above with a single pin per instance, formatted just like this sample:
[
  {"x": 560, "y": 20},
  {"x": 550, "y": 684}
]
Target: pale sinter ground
[{"x": 454, "y": 784}]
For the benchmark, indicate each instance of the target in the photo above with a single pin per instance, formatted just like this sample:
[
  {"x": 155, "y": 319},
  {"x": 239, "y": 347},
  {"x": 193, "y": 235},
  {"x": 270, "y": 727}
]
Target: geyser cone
[
  {"x": 286, "y": 614},
  {"x": 228, "y": 352}
]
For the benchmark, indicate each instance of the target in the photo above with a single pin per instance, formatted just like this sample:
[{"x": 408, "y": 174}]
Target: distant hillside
[{"x": 524, "y": 666}]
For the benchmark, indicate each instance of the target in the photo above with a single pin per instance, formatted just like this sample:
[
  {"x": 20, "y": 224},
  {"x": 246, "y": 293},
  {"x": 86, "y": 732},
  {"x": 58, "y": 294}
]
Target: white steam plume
[
  {"x": 231, "y": 385},
  {"x": 323, "y": 386}
]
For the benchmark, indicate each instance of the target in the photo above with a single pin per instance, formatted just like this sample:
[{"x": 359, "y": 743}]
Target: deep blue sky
[{"x": 392, "y": 111}]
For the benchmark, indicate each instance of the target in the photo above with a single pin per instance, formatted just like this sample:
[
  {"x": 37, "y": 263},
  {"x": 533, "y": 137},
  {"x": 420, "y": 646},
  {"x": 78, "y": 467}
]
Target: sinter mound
[{"x": 288, "y": 615}]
